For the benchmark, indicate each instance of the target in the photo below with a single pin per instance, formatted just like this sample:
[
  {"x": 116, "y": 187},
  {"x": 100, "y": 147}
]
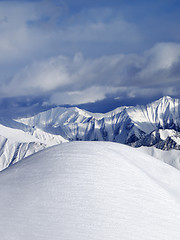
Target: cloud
[
  {"x": 34, "y": 30},
  {"x": 82, "y": 54},
  {"x": 161, "y": 60},
  {"x": 99, "y": 25},
  {"x": 88, "y": 95},
  {"x": 77, "y": 80}
]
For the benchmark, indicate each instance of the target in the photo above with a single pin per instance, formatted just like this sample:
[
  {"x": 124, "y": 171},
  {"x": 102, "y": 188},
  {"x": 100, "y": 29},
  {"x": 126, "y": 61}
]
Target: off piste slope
[
  {"x": 136, "y": 126},
  {"x": 171, "y": 157},
  {"x": 90, "y": 190},
  {"x": 16, "y": 144}
]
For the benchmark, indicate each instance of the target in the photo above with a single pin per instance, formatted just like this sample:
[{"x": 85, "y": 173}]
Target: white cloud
[
  {"x": 24, "y": 30},
  {"x": 89, "y": 95},
  {"x": 40, "y": 53},
  {"x": 161, "y": 58},
  {"x": 34, "y": 30},
  {"x": 75, "y": 80}
]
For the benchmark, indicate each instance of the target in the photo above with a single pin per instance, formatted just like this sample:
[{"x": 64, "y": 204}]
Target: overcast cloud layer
[{"x": 83, "y": 53}]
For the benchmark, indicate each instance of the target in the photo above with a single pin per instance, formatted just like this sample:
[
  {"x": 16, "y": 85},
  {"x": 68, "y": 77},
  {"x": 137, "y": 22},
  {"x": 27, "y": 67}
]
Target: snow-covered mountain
[
  {"x": 15, "y": 144},
  {"x": 171, "y": 157},
  {"x": 90, "y": 190},
  {"x": 130, "y": 125},
  {"x": 164, "y": 139},
  {"x": 154, "y": 125}
]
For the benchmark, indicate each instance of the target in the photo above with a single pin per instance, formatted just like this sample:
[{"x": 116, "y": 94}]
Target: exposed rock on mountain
[
  {"x": 156, "y": 124},
  {"x": 136, "y": 126}
]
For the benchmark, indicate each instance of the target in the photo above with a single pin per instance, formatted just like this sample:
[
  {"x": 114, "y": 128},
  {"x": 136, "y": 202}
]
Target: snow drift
[{"x": 90, "y": 190}]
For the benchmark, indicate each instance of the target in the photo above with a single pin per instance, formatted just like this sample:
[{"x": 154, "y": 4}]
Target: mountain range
[{"x": 154, "y": 125}]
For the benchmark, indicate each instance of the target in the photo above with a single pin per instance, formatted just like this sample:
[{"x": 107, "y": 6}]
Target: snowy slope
[
  {"x": 90, "y": 190},
  {"x": 13, "y": 151},
  {"x": 16, "y": 144},
  {"x": 163, "y": 113},
  {"x": 156, "y": 124},
  {"x": 171, "y": 157}
]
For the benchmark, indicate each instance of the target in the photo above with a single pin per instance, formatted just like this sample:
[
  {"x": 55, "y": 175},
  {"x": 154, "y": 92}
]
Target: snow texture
[
  {"x": 15, "y": 144},
  {"x": 171, "y": 157},
  {"x": 90, "y": 190}
]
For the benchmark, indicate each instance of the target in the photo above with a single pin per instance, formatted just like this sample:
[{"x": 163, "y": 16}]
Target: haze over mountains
[{"x": 154, "y": 125}]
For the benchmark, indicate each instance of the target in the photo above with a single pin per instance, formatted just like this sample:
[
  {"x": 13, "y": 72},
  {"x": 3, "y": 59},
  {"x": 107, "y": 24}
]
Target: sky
[{"x": 94, "y": 54}]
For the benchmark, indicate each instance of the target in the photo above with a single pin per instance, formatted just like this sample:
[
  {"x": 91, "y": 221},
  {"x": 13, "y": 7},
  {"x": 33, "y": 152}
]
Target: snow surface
[
  {"x": 90, "y": 190},
  {"x": 16, "y": 135},
  {"x": 155, "y": 124},
  {"x": 165, "y": 133},
  {"x": 171, "y": 157},
  {"x": 15, "y": 144}
]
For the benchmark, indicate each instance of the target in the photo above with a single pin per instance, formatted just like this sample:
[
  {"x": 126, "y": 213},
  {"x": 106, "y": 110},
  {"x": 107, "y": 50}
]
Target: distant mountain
[
  {"x": 137, "y": 126},
  {"x": 163, "y": 139},
  {"x": 171, "y": 157},
  {"x": 154, "y": 125},
  {"x": 16, "y": 144},
  {"x": 90, "y": 190}
]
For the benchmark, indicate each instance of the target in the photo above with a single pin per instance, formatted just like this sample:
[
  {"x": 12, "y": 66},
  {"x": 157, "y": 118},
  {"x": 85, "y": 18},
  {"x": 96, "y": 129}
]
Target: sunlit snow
[{"x": 90, "y": 190}]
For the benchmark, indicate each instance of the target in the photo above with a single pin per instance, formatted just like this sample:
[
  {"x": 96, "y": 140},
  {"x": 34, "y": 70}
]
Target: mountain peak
[
  {"x": 166, "y": 98},
  {"x": 125, "y": 125}
]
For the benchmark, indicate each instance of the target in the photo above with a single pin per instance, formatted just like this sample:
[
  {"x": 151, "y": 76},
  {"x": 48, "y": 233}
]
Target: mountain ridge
[
  {"x": 124, "y": 124},
  {"x": 154, "y": 125}
]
